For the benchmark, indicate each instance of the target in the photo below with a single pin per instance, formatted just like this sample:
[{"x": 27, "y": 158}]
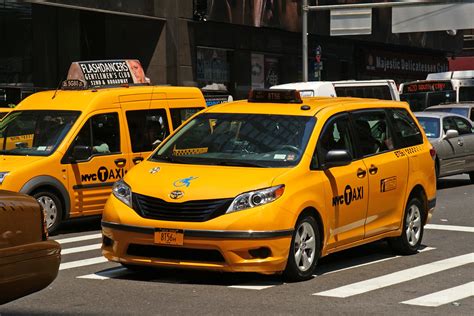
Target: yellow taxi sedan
[{"x": 273, "y": 183}]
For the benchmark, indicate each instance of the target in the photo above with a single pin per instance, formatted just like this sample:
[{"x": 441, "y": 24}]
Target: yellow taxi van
[
  {"x": 272, "y": 183},
  {"x": 67, "y": 147}
]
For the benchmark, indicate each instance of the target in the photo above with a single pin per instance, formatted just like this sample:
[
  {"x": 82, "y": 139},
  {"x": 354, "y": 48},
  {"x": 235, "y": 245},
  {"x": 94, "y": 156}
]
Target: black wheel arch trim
[
  {"x": 40, "y": 181},
  {"x": 221, "y": 234},
  {"x": 431, "y": 203}
]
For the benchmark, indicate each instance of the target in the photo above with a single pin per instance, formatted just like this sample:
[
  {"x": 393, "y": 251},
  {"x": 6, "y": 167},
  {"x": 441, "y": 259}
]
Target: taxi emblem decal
[
  {"x": 154, "y": 170},
  {"x": 176, "y": 194},
  {"x": 185, "y": 182}
]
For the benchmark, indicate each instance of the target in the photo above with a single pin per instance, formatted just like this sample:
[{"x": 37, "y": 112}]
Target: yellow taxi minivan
[
  {"x": 67, "y": 147},
  {"x": 272, "y": 183}
]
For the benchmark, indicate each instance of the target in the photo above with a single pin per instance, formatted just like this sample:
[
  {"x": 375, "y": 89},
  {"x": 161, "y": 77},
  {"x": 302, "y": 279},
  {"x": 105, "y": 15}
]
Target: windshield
[
  {"x": 251, "y": 140},
  {"x": 430, "y": 125},
  {"x": 421, "y": 100},
  {"x": 35, "y": 133},
  {"x": 461, "y": 111}
]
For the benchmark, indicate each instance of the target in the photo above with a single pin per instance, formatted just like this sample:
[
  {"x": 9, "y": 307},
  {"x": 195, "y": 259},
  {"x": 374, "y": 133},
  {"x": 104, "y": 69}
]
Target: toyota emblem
[{"x": 176, "y": 194}]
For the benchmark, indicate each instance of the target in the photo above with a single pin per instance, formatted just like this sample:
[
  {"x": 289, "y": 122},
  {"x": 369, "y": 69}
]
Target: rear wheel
[
  {"x": 304, "y": 250},
  {"x": 52, "y": 208},
  {"x": 410, "y": 240}
]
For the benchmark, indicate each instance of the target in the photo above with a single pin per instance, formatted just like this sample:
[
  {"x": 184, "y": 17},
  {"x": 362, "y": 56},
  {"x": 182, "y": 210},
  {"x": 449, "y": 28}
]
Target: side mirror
[
  {"x": 81, "y": 153},
  {"x": 451, "y": 133},
  {"x": 337, "y": 158}
]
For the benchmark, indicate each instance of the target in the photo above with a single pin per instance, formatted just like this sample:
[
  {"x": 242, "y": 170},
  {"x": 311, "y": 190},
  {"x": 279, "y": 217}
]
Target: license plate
[{"x": 169, "y": 237}]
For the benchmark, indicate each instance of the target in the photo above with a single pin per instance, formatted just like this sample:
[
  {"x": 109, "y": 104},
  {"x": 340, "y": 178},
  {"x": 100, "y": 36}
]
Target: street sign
[{"x": 319, "y": 51}]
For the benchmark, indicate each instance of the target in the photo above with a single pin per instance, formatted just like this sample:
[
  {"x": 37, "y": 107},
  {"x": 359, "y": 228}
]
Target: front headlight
[
  {"x": 122, "y": 191},
  {"x": 255, "y": 198},
  {"x": 2, "y": 176}
]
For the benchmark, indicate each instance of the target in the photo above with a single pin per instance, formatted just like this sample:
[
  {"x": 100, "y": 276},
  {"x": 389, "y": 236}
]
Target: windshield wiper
[
  {"x": 171, "y": 159},
  {"x": 240, "y": 164}
]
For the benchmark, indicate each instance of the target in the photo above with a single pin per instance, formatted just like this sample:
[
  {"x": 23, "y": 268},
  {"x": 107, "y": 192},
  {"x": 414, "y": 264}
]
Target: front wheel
[
  {"x": 52, "y": 208},
  {"x": 304, "y": 250},
  {"x": 410, "y": 240}
]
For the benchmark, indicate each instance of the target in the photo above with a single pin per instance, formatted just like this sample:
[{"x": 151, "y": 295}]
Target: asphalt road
[{"x": 365, "y": 280}]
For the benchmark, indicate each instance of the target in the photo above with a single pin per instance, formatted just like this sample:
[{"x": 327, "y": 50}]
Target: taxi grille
[
  {"x": 190, "y": 211},
  {"x": 175, "y": 253}
]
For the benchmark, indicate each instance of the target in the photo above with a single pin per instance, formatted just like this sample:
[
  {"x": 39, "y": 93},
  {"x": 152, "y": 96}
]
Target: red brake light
[{"x": 433, "y": 152}]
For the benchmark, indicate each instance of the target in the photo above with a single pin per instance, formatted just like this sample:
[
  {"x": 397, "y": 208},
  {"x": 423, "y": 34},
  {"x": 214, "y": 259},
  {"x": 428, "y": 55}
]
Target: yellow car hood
[
  {"x": 11, "y": 163},
  {"x": 198, "y": 182}
]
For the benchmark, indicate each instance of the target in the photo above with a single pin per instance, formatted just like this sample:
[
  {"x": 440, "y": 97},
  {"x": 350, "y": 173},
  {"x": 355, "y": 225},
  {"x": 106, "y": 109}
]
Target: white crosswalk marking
[
  {"x": 466, "y": 229},
  {"x": 105, "y": 275},
  {"x": 81, "y": 263},
  {"x": 255, "y": 286},
  {"x": 80, "y": 249},
  {"x": 444, "y": 297},
  {"x": 398, "y": 277},
  {"x": 79, "y": 238},
  {"x": 371, "y": 262}
]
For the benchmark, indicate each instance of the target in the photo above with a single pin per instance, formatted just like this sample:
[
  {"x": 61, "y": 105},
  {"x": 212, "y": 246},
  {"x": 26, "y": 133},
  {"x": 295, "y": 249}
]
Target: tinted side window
[
  {"x": 463, "y": 126},
  {"x": 147, "y": 128},
  {"x": 101, "y": 133},
  {"x": 335, "y": 136},
  {"x": 372, "y": 132},
  {"x": 178, "y": 116},
  {"x": 407, "y": 132}
]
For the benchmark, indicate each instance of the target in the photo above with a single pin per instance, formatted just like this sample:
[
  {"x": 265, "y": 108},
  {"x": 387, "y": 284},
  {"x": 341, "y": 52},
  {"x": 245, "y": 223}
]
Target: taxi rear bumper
[{"x": 242, "y": 251}]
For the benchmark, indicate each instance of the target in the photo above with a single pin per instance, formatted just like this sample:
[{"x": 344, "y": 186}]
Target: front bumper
[{"x": 222, "y": 250}]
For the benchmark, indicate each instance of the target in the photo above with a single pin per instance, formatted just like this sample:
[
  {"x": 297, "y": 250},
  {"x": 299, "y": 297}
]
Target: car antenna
[{"x": 57, "y": 88}]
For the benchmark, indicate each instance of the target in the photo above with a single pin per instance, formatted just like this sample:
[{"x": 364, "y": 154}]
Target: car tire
[
  {"x": 409, "y": 241},
  {"x": 52, "y": 207},
  {"x": 304, "y": 250}
]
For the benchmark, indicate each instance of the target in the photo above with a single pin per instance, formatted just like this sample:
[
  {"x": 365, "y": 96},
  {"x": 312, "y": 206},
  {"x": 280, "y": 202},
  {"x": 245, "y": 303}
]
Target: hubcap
[
  {"x": 413, "y": 229},
  {"x": 50, "y": 209},
  {"x": 304, "y": 246}
]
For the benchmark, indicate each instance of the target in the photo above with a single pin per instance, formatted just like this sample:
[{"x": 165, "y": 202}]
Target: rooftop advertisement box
[{"x": 104, "y": 73}]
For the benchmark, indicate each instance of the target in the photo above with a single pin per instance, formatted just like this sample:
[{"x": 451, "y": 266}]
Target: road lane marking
[
  {"x": 444, "y": 297},
  {"x": 78, "y": 238},
  {"x": 106, "y": 275},
  {"x": 372, "y": 262},
  {"x": 256, "y": 286},
  {"x": 398, "y": 277},
  {"x": 466, "y": 229},
  {"x": 80, "y": 249},
  {"x": 82, "y": 263}
]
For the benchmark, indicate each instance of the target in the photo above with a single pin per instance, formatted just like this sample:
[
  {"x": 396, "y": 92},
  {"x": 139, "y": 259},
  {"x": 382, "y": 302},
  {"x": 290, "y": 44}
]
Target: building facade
[{"x": 214, "y": 44}]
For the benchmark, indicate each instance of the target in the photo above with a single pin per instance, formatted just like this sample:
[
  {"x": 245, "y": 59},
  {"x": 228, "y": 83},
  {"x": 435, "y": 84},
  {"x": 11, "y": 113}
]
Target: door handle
[
  {"x": 361, "y": 173},
  {"x": 373, "y": 169},
  {"x": 120, "y": 162},
  {"x": 460, "y": 142},
  {"x": 137, "y": 160}
]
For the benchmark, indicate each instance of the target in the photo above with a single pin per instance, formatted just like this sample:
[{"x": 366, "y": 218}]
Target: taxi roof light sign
[
  {"x": 275, "y": 96},
  {"x": 104, "y": 73}
]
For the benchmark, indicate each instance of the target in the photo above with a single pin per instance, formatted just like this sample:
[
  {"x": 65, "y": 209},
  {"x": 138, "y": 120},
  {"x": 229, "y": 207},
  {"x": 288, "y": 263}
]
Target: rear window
[
  {"x": 430, "y": 125},
  {"x": 461, "y": 111},
  {"x": 377, "y": 92},
  {"x": 407, "y": 132}
]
